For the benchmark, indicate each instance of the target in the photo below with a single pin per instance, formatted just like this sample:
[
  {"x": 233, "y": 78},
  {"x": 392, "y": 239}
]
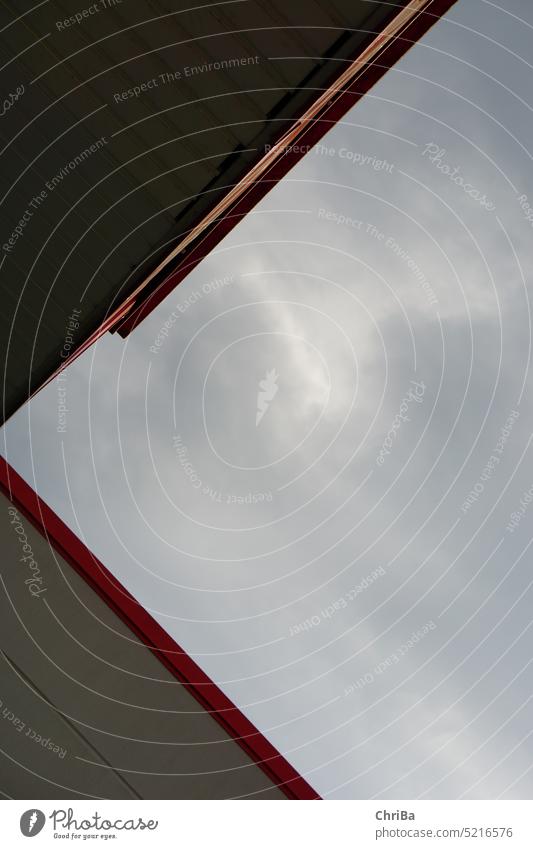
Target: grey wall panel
[{"x": 74, "y": 674}]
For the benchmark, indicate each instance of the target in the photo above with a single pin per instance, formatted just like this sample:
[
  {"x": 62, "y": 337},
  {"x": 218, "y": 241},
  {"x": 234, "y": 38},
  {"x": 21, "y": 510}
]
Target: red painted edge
[
  {"x": 310, "y": 134},
  {"x": 168, "y": 652}
]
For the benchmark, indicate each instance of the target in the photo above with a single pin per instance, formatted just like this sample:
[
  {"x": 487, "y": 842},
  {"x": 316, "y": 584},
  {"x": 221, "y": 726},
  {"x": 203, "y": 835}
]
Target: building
[{"x": 134, "y": 139}]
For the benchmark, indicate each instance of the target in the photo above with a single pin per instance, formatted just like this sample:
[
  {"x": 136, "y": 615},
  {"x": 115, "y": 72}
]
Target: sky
[{"x": 312, "y": 463}]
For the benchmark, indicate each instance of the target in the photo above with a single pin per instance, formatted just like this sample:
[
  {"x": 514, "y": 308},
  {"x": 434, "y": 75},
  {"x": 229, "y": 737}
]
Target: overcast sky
[{"x": 386, "y": 353}]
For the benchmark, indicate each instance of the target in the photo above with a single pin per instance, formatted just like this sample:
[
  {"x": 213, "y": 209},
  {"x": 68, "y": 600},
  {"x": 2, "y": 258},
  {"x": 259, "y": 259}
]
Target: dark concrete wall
[{"x": 163, "y": 155}]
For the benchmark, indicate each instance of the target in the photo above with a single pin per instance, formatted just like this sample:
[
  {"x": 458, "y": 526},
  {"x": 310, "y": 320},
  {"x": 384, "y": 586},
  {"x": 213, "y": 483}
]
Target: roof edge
[{"x": 350, "y": 85}]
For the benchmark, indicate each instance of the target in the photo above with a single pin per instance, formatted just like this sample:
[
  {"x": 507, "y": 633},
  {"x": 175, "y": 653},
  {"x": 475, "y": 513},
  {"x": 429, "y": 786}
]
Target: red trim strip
[
  {"x": 303, "y": 133},
  {"x": 177, "y": 661}
]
